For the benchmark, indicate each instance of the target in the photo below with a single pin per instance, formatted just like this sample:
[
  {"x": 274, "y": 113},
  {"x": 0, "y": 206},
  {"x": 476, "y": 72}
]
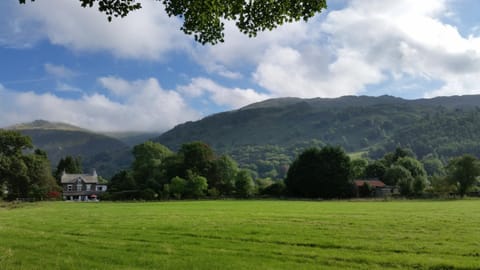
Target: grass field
[{"x": 242, "y": 235}]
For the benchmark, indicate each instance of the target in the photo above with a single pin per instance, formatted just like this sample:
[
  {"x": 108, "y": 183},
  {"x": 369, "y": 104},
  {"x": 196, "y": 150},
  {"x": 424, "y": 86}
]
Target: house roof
[
  {"x": 373, "y": 183},
  {"x": 72, "y": 178}
]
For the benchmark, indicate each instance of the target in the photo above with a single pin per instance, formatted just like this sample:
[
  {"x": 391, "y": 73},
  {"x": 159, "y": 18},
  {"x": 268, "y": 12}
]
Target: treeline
[
  {"x": 196, "y": 171},
  {"x": 326, "y": 172}
]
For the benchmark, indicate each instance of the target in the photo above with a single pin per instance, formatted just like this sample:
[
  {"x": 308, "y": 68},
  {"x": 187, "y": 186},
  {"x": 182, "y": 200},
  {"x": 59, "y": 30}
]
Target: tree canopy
[
  {"x": 321, "y": 173},
  {"x": 463, "y": 172},
  {"x": 26, "y": 174},
  {"x": 205, "y": 19},
  {"x": 68, "y": 164}
]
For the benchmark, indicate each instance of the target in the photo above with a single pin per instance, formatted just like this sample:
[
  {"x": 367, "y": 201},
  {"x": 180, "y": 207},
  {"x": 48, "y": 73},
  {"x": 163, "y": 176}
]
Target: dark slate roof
[{"x": 72, "y": 178}]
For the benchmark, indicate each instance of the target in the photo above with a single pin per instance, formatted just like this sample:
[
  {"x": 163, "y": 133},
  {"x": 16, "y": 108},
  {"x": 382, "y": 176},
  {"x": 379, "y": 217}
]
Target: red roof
[{"x": 372, "y": 183}]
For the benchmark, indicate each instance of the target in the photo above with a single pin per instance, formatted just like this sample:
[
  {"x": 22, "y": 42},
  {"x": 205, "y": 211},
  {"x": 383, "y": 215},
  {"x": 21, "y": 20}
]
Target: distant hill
[
  {"x": 132, "y": 138},
  {"x": 443, "y": 126},
  {"x": 106, "y": 154},
  {"x": 45, "y": 125}
]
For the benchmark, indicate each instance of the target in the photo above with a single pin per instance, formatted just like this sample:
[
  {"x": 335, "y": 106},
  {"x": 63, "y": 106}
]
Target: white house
[{"x": 81, "y": 187}]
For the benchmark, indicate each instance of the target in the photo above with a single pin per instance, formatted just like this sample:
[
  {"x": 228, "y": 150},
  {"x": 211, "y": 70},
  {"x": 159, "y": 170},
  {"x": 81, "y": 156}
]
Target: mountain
[
  {"x": 45, "y": 125},
  {"x": 443, "y": 126},
  {"x": 132, "y": 138},
  {"x": 106, "y": 154}
]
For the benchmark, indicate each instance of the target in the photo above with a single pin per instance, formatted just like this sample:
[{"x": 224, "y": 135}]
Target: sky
[{"x": 64, "y": 63}]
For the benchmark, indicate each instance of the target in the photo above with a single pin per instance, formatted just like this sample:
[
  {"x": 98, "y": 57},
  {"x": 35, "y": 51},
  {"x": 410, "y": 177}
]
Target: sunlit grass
[
  {"x": 242, "y": 235},
  {"x": 357, "y": 155}
]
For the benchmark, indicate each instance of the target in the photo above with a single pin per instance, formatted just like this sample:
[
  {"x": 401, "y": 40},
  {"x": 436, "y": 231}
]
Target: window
[
  {"x": 69, "y": 188},
  {"x": 99, "y": 188},
  {"x": 88, "y": 187},
  {"x": 79, "y": 186}
]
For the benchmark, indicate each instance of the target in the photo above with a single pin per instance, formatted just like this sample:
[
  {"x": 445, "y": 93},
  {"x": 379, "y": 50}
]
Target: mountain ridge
[
  {"x": 98, "y": 151},
  {"x": 332, "y": 120},
  {"x": 43, "y": 124}
]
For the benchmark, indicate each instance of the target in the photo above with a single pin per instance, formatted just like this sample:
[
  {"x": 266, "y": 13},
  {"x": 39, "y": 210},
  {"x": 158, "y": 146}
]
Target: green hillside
[
  {"x": 275, "y": 130},
  {"x": 132, "y": 138},
  {"x": 106, "y": 154}
]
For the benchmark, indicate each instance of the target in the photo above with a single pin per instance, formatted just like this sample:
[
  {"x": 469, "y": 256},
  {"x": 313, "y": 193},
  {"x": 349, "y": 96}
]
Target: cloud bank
[
  {"x": 141, "y": 105},
  {"x": 146, "y": 34}
]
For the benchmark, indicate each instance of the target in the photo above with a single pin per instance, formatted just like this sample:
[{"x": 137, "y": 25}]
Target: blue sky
[{"x": 63, "y": 63}]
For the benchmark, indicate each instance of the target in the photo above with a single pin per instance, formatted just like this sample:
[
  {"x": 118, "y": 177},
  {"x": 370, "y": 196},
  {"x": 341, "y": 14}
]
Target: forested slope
[{"x": 273, "y": 131}]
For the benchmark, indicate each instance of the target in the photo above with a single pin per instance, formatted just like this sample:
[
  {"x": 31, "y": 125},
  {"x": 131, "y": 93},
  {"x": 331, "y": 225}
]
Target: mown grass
[{"x": 242, "y": 235}]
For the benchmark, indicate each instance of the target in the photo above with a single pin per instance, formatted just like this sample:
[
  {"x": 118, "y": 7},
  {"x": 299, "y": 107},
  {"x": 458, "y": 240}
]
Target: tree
[
  {"x": 418, "y": 185},
  {"x": 358, "y": 168},
  {"x": 418, "y": 181},
  {"x": 406, "y": 186},
  {"x": 196, "y": 186},
  {"x": 13, "y": 169},
  {"x": 433, "y": 165},
  {"x": 321, "y": 173},
  {"x": 395, "y": 174},
  {"x": 177, "y": 187},
  {"x": 68, "y": 164},
  {"x": 440, "y": 185},
  {"x": 222, "y": 175},
  {"x": 12, "y": 143},
  {"x": 276, "y": 189},
  {"x": 172, "y": 166},
  {"x": 463, "y": 172},
  {"x": 197, "y": 157},
  {"x": 148, "y": 158},
  {"x": 123, "y": 186},
  {"x": 39, "y": 173},
  {"x": 15, "y": 174},
  {"x": 205, "y": 19},
  {"x": 414, "y": 166},
  {"x": 406, "y": 172},
  {"x": 27, "y": 175},
  {"x": 375, "y": 170},
  {"x": 244, "y": 184}
]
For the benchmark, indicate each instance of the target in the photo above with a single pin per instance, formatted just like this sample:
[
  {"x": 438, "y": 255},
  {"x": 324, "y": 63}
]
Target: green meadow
[{"x": 241, "y": 235}]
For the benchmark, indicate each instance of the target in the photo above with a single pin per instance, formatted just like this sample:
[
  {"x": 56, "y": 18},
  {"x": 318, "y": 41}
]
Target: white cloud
[
  {"x": 147, "y": 107},
  {"x": 285, "y": 71},
  {"x": 59, "y": 71},
  {"x": 238, "y": 49},
  {"x": 231, "y": 97},
  {"x": 221, "y": 70},
  {"x": 65, "y": 87},
  {"x": 145, "y": 34},
  {"x": 118, "y": 87},
  {"x": 407, "y": 38},
  {"x": 350, "y": 50}
]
